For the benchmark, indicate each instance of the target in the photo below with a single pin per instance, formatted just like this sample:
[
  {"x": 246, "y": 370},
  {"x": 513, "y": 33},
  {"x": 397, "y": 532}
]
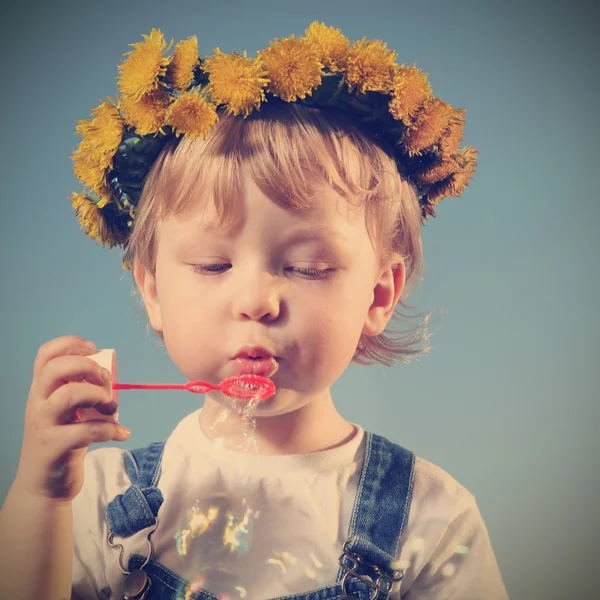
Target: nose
[{"x": 258, "y": 300}]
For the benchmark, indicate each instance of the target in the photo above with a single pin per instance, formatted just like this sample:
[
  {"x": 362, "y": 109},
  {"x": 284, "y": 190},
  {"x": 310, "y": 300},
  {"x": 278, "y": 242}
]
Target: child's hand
[{"x": 54, "y": 443}]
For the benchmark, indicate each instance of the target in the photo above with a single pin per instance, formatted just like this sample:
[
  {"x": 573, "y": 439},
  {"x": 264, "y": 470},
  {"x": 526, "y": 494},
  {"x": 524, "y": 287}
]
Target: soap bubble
[
  {"x": 218, "y": 528},
  {"x": 222, "y": 523},
  {"x": 297, "y": 567}
]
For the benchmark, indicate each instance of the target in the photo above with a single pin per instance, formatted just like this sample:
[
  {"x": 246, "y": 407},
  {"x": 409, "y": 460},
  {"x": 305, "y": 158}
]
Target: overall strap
[
  {"x": 138, "y": 507},
  {"x": 382, "y": 505}
]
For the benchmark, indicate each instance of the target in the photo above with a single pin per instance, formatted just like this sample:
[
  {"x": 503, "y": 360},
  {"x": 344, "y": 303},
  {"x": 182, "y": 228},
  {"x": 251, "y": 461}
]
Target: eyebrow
[
  {"x": 318, "y": 232},
  {"x": 315, "y": 233}
]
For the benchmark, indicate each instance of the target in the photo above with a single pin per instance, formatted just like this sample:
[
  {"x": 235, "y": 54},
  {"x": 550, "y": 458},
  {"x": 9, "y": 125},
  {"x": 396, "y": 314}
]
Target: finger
[
  {"x": 65, "y": 345},
  {"x": 62, "y": 406},
  {"x": 82, "y": 435},
  {"x": 64, "y": 369}
]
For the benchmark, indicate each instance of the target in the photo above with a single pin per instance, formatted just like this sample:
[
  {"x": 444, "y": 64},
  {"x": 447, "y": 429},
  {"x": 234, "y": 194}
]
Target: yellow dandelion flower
[
  {"x": 102, "y": 135},
  {"x": 332, "y": 44},
  {"x": 293, "y": 68},
  {"x": 455, "y": 184},
  {"x": 92, "y": 221},
  {"x": 86, "y": 167},
  {"x": 451, "y": 138},
  {"x": 139, "y": 73},
  {"x": 235, "y": 81},
  {"x": 410, "y": 91},
  {"x": 180, "y": 71},
  {"x": 371, "y": 66},
  {"x": 148, "y": 113},
  {"x": 441, "y": 190},
  {"x": 438, "y": 170},
  {"x": 430, "y": 123},
  {"x": 104, "y": 195},
  {"x": 191, "y": 115}
]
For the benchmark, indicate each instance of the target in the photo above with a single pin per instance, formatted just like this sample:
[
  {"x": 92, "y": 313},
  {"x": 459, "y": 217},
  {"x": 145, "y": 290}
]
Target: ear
[
  {"x": 146, "y": 284},
  {"x": 386, "y": 293}
]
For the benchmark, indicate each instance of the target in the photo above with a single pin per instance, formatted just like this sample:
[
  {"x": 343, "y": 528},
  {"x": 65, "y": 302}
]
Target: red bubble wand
[{"x": 243, "y": 387}]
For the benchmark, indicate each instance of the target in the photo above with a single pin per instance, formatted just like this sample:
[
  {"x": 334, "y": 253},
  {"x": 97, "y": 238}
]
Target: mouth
[
  {"x": 254, "y": 352},
  {"x": 267, "y": 366}
]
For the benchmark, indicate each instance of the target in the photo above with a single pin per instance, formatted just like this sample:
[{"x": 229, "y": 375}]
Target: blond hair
[{"x": 288, "y": 147}]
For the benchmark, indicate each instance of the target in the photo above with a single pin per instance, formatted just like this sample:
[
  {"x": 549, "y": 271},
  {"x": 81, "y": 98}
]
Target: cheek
[
  {"x": 332, "y": 334},
  {"x": 191, "y": 321},
  {"x": 332, "y": 347},
  {"x": 190, "y": 338}
]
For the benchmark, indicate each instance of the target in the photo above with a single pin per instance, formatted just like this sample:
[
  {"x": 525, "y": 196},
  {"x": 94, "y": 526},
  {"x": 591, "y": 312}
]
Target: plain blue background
[{"x": 507, "y": 401}]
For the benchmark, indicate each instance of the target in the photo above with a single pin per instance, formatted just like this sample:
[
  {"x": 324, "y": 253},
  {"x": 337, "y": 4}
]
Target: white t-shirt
[{"x": 300, "y": 508}]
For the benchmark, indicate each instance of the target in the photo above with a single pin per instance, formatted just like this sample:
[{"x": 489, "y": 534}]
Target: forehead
[{"x": 329, "y": 215}]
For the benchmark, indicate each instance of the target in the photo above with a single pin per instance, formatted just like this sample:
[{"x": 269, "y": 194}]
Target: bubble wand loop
[{"x": 243, "y": 387}]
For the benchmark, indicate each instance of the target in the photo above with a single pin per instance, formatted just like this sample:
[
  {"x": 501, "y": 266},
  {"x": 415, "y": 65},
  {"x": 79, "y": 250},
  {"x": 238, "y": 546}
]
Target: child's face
[{"x": 256, "y": 296}]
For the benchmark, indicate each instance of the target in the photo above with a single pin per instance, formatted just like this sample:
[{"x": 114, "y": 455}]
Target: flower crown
[{"x": 166, "y": 97}]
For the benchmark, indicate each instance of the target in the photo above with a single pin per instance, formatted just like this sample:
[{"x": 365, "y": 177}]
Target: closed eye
[{"x": 217, "y": 268}]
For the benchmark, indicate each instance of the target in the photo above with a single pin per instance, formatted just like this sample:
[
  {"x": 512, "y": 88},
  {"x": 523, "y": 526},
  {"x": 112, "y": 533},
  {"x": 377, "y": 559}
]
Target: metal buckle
[
  {"x": 387, "y": 577},
  {"x": 111, "y": 537}
]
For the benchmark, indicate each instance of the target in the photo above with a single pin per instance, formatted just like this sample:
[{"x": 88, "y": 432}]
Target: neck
[{"x": 314, "y": 427}]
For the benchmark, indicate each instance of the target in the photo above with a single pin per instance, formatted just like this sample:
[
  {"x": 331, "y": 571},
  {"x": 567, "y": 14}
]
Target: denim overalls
[{"x": 379, "y": 517}]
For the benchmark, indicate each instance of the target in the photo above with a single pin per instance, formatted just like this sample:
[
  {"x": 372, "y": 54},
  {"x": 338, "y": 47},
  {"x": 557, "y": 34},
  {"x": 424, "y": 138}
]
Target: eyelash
[{"x": 313, "y": 273}]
